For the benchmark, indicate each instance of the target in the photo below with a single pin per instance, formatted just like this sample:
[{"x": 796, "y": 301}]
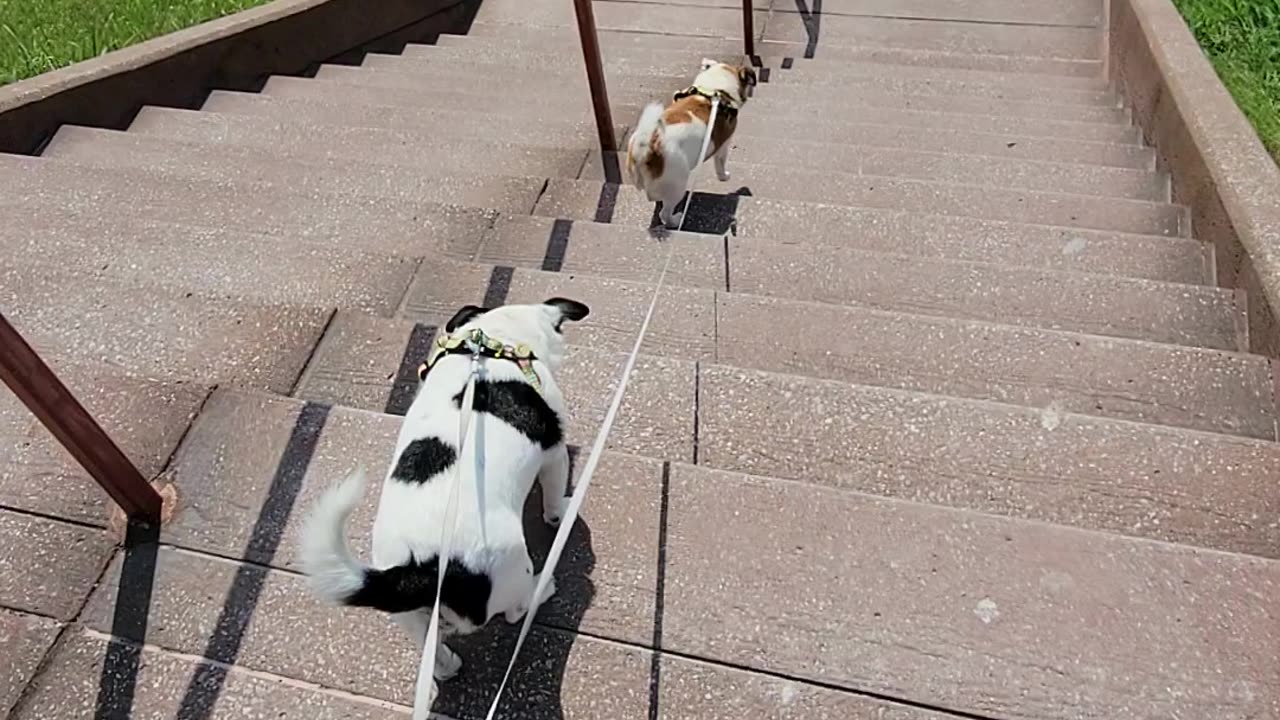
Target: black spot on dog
[
  {"x": 412, "y": 586},
  {"x": 423, "y": 459},
  {"x": 518, "y": 404}
]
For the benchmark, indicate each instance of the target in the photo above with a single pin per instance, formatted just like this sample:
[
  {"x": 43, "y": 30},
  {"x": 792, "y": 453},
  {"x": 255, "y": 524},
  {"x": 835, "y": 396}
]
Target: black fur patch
[
  {"x": 423, "y": 459},
  {"x": 569, "y": 310},
  {"x": 517, "y": 404},
  {"x": 412, "y": 586},
  {"x": 464, "y": 315}
]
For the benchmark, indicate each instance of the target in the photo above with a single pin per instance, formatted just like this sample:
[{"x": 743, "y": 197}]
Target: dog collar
[
  {"x": 728, "y": 104},
  {"x": 475, "y": 342}
]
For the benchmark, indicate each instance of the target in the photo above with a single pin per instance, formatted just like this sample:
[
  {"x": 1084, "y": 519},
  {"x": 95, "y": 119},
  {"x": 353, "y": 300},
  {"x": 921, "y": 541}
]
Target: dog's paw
[
  {"x": 555, "y": 514},
  {"x": 515, "y": 615},
  {"x": 723, "y": 176},
  {"x": 673, "y": 223},
  {"x": 448, "y": 663}
]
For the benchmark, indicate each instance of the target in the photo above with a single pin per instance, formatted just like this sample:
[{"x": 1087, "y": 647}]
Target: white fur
[
  {"x": 496, "y": 472},
  {"x": 680, "y": 145}
]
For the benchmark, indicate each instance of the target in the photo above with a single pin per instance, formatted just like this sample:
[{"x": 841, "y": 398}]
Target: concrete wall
[
  {"x": 1219, "y": 167},
  {"x": 234, "y": 52}
]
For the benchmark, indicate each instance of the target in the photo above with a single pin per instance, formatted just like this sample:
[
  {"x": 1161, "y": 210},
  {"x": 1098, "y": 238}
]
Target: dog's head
[
  {"x": 539, "y": 326},
  {"x": 736, "y": 80}
]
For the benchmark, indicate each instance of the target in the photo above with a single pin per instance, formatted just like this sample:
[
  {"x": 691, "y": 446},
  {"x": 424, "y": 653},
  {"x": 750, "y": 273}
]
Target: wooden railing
[
  {"x": 53, "y": 404},
  {"x": 590, "y": 38}
]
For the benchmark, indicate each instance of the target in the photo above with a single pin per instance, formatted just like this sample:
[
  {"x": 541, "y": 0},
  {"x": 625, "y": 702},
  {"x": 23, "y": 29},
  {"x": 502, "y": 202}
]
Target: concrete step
[
  {"x": 775, "y": 59},
  {"x": 770, "y": 95},
  {"x": 160, "y": 686},
  {"x": 473, "y": 79},
  {"x": 1110, "y": 377},
  {"x": 879, "y": 78},
  {"x": 541, "y": 129},
  {"x": 570, "y": 105},
  {"x": 24, "y": 639},
  {"x": 336, "y": 144},
  {"x": 210, "y": 261},
  {"x": 218, "y": 160},
  {"x": 580, "y": 198},
  {"x": 565, "y": 36},
  {"x": 877, "y": 130},
  {"x": 1040, "y": 463},
  {"x": 171, "y": 336},
  {"x": 416, "y": 125},
  {"x": 780, "y": 97},
  {"x": 1085, "y": 578},
  {"x": 1070, "y": 13},
  {"x": 626, "y": 103},
  {"x": 937, "y": 35},
  {"x": 769, "y": 160},
  {"x": 912, "y": 233},
  {"x": 718, "y": 23},
  {"x": 146, "y": 418},
  {"x": 376, "y": 224},
  {"x": 1035, "y": 67},
  {"x": 47, "y": 567},
  {"x": 791, "y": 268}
]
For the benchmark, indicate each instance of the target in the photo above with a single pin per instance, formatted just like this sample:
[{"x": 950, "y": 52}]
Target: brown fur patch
[
  {"x": 655, "y": 162},
  {"x": 686, "y": 109}
]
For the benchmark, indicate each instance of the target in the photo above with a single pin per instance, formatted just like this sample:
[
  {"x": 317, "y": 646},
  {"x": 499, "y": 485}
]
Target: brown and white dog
[{"x": 663, "y": 150}]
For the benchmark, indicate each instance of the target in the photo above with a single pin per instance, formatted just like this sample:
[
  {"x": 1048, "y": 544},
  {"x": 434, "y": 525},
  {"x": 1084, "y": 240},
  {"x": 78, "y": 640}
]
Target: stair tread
[
  {"x": 1080, "y": 579},
  {"x": 1112, "y": 377}
]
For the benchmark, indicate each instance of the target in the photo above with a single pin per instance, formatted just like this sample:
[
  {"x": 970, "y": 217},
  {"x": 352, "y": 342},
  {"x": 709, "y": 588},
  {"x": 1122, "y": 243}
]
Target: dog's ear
[
  {"x": 463, "y": 316},
  {"x": 568, "y": 309},
  {"x": 708, "y": 63}
]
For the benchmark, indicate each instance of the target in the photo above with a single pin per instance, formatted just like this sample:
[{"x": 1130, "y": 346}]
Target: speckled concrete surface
[
  {"x": 423, "y": 127},
  {"x": 451, "y": 79},
  {"x": 374, "y": 223},
  {"x": 762, "y": 164},
  {"x": 213, "y": 261},
  {"x": 24, "y": 639},
  {"x": 961, "y": 611},
  {"x": 986, "y": 193},
  {"x": 892, "y": 231},
  {"x": 145, "y": 417},
  {"x": 1041, "y": 463},
  {"x": 1107, "y": 305},
  {"x": 565, "y": 103},
  {"x": 48, "y": 567},
  {"x": 1128, "y": 380},
  {"x": 161, "y": 334},
  {"x": 217, "y": 161}
]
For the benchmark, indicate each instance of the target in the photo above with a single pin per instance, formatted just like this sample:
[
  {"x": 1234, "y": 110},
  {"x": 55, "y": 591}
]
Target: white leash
[
  {"x": 702, "y": 157},
  {"x": 422, "y": 699}
]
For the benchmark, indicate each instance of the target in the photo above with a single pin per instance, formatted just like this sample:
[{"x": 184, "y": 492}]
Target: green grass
[
  {"x": 40, "y": 35},
  {"x": 1242, "y": 38}
]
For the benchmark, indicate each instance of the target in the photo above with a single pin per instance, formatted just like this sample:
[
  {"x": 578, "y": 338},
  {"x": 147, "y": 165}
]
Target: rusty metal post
[
  {"x": 748, "y": 29},
  {"x": 595, "y": 74},
  {"x": 49, "y": 400}
]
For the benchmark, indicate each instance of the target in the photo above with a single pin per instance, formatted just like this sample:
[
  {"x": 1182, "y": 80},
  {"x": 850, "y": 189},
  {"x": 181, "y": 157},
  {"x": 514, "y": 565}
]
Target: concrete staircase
[{"x": 940, "y": 416}]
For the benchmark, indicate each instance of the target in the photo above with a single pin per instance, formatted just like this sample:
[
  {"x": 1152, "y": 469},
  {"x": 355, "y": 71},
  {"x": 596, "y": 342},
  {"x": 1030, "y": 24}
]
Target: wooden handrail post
[
  {"x": 53, "y": 404},
  {"x": 748, "y": 29},
  {"x": 595, "y": 74}
]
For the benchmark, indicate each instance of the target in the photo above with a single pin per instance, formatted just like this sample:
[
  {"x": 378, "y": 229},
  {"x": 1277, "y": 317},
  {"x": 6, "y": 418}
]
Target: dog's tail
[
  {"x": 645, "y": 141},
  {"x": 336, "y": 575}
]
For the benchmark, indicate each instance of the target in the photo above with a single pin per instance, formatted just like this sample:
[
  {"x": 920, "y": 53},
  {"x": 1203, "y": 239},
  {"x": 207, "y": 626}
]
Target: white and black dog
[{"x": 516, "y": 435}]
